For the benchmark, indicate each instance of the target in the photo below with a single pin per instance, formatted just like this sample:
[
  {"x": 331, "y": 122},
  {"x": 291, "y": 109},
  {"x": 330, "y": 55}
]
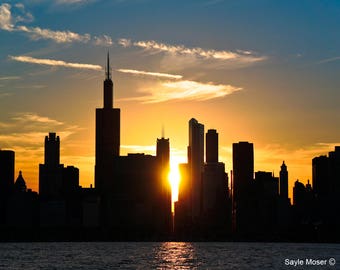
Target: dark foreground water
[{"x": 168, "y": 255}]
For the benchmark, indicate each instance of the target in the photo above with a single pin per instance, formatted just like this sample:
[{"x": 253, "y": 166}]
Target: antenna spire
[{"x": 108, "y": 69}]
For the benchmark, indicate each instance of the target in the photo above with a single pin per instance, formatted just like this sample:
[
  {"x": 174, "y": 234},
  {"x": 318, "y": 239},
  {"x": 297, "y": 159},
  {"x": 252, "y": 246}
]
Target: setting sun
[{"x": 174, "y": 175}]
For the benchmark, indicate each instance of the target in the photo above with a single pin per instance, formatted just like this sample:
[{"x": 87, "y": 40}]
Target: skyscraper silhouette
[
  {"x": 51, "y": 172},
  {"x": 211, "y": 146},
  {"x": 284, "y": 181},
  {"x": 163, "y": 156},
  {"x": 196, "y": 163},
  {"x": 243, "y": 174},
  {"x": 284, "y": 213},
  {"x": 6, "y": 180},
  {"x": 326, "y": 186},
  {"x": 243, "y": 168},
  {"x": 6, "y": 171},
  {"x": 107, "y": 136},
  {"x": 188, "y": 208},
  {"x": 215, "y": 216}
]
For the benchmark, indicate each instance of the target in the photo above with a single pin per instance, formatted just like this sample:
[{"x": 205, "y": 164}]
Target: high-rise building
[
  {"x": 7, "y": 159},
  {"x": 107, "y": 136},
  {"x": 52, "y": 150},
  {"x": 55, "y": 181},
  {"x": 243, "y": 174},
  {"x": 211, "y": 152},
  {"x": 326, "y": 186},
  {"x": 320, "y": 179},
  {"x": 51, "y": 172},
  {"x": 303, "y": 203},
  {"x": 163, "y": 157},
  {"x": 216, "y": 210},
  {"x": 284, "y": 181},
  {"x": 334, "y": 181},
  {"x": 196, "y": 164},
  {"x": 188, "y": 208},
  {"x": 284, "y": 216},
  {"x": 163, "y": 153},
  {"x": 266, "y": 188},
  {"x": 243, "y": 169}
]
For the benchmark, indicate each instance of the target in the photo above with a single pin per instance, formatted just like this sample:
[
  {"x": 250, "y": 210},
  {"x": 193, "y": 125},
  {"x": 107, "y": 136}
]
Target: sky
[{"x": 261, "y": 71}]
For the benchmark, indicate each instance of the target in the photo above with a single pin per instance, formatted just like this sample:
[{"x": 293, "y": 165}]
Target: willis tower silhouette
[{"x": 107, "y": 136}]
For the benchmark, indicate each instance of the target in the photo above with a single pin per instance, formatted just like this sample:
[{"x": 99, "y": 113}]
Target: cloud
[
  {"x": 32, "y": 117},
  {"x": 8, "y": 22},
  {"x": 2, "y": 95},
  {"x": 71, "y": 1},
  {"x": 5, "y": 78},
  {"x": 124, "y": 42},
  {"x": 24, "y": 16},
  {"x": 103, "y": 40},
  {"x": 74, "y": 2},
  {"x": 51, "y": 62},
  {"x": 37, "y": 33},
  {"x": 185, "y": 90},
  {"x": 152, "y": 74},
  {"x": 5, "y": 17},
  {"x": 28, "y": 129},
  {"x": 151, "y": 45},
  {"x": 31, "y": 86},
  {"x": 329, "y": 60}
]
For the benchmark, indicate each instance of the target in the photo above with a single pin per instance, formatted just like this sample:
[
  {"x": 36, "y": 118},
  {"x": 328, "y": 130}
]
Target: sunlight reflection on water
[
  {"x": 158, "y": 255},
  {"x": 176, "y": 255}
]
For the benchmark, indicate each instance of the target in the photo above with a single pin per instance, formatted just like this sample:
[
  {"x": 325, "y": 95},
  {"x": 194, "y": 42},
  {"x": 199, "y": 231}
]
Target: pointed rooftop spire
[{"x": 108, "y": 69}]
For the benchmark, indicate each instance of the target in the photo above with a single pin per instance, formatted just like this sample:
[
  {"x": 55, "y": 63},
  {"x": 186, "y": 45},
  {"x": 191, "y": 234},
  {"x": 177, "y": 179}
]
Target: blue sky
[{"x": 262, "y": 71}]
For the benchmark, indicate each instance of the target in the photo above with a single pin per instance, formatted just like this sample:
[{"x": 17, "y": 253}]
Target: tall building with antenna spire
[{"x": 107, "y": 135}]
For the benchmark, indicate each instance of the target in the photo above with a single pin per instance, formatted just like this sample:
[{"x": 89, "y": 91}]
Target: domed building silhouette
[{"x": 20, "y": 184}]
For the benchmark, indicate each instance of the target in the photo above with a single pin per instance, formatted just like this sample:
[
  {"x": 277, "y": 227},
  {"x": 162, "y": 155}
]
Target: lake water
[{"x": 168, "y": 255}]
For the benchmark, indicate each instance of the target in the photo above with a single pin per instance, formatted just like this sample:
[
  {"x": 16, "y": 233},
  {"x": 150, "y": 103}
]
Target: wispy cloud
[
  {"x": 152, "y": 74},
  {"x": 5, "y": 78},
  {"x": 103, "y": 40},
  {"x": 33, "y": 117},
  {"x": 72, "y": 1},
  {"x": 23, "y": 16},
  {"x": 2, "y": 95},
  {"x": 9, "y": 21},
  {"x": 185, "y": 90},
  {"x": 337, "y": 58},
  {"x": 28, "y": 129},
  {"x": 37, "y": 33},
  {"x": 51, "y": 62},
  {"x": 151, "y": 45}
]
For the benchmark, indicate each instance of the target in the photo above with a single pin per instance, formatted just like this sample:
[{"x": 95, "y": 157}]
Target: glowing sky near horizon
[{"x": 262, "y": 71}]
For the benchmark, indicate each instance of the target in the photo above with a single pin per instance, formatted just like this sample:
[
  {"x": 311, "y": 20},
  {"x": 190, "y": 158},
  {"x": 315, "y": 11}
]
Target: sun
[{"x": 174, "y": 175}]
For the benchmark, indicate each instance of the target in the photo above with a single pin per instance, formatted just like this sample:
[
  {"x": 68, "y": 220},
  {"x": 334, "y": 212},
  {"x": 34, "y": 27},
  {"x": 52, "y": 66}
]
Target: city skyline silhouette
[
  {"x": 133, "y": 195},
  {"x": 252, "y": 78},
  {"x": 268, "y": 80}
]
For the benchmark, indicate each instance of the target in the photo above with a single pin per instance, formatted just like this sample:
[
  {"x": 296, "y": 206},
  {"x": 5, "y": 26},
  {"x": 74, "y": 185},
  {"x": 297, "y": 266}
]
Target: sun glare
[{"x": 174, "y": 176}]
